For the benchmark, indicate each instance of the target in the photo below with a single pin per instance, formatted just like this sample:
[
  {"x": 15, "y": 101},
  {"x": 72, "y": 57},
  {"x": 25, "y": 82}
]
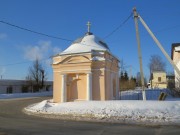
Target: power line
[
  {"x": 43, "y": 34},
  {"x": 10, "y": 64},
  {"x": 32, "y": 31},
  {"x": 124, "y": 22},
  {"x": 25, "y": 29},
  {"x": 18, "y": 63},
  {"x": 168, "y": 28},
  {"x": 162, "y": 30}
]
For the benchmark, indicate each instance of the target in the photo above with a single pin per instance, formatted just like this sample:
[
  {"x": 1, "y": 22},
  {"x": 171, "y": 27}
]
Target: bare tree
[
  {"x": 29, "y": 82},
  {"x": 156, "y": 64},
  {"x": 36, "y": 75}
]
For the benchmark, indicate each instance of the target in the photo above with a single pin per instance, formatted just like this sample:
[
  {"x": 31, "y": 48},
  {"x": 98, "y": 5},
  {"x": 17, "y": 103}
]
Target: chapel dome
[{"x": 87, "y": 43}]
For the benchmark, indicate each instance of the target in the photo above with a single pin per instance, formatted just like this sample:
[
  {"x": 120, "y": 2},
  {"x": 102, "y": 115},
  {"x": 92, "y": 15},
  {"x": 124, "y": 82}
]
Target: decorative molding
[
  {"x": 74, "y": 71},
  {"x": 74, "y": 58}
]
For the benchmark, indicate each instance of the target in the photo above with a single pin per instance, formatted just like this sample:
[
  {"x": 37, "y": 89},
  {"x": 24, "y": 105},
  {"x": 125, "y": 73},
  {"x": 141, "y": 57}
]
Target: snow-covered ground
[
  {"x": 131, "y": 110},
  {"x": 118, "y": 111},
  {"x": 25, "y": 95}
]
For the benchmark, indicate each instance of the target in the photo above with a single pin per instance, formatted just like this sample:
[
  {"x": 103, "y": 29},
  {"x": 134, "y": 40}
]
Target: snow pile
[
  {"x": 147, "y": 112},
  {"x": 24, "y": 95}
]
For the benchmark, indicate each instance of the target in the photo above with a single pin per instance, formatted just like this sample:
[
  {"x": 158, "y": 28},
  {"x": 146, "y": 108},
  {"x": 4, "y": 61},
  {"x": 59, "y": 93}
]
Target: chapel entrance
[{"x": 76, "y": 89}]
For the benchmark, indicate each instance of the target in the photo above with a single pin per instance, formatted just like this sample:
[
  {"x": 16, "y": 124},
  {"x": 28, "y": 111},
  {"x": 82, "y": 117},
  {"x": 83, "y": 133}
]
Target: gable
[{"x": 75, "y": 59}]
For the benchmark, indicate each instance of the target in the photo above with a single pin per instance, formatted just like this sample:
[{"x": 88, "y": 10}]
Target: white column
[
  {"x": 111, "y": 86},
  {"x": 117, "y": 86},
  {"x": 63, "y": 88},
  {"x": 89, "y": 86}
]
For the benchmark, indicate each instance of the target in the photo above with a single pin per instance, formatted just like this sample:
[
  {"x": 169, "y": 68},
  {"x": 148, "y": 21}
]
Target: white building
[{"x": 18, "y": 86}]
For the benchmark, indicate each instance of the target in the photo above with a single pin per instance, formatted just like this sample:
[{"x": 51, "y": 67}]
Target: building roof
[
  {"x": 9, "y": 82},
  {"x": 176, "y": 47},
  {"x": 87, "y": 43},
  {"x": 158, "y": 72}
]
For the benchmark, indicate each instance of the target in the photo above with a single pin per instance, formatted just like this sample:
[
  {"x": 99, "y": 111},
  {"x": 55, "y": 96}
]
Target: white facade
[
  {"x": 175, "y": 55},
  {"x": 15, "y": 86}
]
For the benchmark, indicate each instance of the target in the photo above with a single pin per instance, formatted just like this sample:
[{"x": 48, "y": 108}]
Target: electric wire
[
  {"x": 43, "y": 34},
  {"x": 168, "y": 28},
  {"x": 32, "y": 31},
  {"x": 18, "y": 63},
  {"x": 69, "y": 40},
  {"x": 117, "y": 28}
]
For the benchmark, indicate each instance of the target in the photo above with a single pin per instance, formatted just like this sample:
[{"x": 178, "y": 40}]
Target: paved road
[{"x": 14, "y": 122}]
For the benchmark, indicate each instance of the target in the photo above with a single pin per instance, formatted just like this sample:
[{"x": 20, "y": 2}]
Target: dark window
[
  {"x": 159, "y": 79},
  {"x": 9, "y": 89}
]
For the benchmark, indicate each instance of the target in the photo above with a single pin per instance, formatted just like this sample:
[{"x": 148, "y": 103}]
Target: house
[
  {"x": 158, "y": 80},
  {"x": 86, "y": 70},
  {"x": 175, "y": 56}
]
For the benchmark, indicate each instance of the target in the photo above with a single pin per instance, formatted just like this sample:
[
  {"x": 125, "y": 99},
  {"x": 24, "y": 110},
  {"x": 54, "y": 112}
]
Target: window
[
  {"x": 159, "y": 79},
  {"x": 9, "y": 89}
]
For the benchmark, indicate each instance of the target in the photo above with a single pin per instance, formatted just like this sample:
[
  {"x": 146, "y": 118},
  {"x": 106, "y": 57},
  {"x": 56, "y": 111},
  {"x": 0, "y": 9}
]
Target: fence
[{"x": 151, "y": 94}]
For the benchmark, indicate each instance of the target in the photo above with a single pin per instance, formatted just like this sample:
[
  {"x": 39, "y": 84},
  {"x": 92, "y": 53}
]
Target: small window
[
  {"x": 159, "y": 79},
  {"x": 9, "y": 89}
]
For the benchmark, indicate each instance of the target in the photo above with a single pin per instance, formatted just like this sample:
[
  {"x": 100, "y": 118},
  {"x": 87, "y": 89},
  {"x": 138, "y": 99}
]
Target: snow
[
  {"x": 117, "y": 111},
  {"x": 150, "y": 112},
  {"x": 97, "y": 58},
  {"x": 177, "y": 48},
  {"x": 25, "y": 95},
  {"x": 87, "y": 44}
]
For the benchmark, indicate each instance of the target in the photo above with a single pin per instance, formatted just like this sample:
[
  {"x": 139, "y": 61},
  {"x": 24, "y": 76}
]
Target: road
[{"x": 14, "y": 122}]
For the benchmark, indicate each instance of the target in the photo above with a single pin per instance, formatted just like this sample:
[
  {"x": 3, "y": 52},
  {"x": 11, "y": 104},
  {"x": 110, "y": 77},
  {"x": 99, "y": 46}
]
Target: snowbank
[{"x": 146, "y": 112}]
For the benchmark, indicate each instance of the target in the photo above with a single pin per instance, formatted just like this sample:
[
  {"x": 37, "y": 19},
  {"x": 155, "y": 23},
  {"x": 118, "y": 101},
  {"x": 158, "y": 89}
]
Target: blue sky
[{"x": 68, "y": 18}]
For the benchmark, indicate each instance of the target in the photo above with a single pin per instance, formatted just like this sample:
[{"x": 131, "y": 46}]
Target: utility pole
[
  {"x": 159, "y": 45},
  {"x": 139, "y": 53},
  {"x": 136, "y": 17}
]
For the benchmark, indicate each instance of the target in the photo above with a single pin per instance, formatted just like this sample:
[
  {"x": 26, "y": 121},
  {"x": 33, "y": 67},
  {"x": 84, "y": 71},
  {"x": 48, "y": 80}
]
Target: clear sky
[{"x": 68, "y": 18}]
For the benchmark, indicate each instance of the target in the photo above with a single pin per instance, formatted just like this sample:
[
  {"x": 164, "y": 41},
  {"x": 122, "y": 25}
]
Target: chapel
[{"x": 86, "y": 70}]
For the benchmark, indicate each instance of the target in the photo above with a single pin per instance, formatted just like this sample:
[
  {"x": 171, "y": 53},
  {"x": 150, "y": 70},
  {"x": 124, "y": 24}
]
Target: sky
[{"x": 68, "y": 18}]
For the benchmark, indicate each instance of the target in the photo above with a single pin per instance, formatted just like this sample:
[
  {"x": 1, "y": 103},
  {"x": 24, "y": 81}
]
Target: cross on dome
[{"x": 89, "y": 25}]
